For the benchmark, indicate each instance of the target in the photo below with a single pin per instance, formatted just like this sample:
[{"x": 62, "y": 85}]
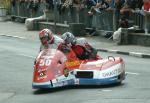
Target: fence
[
  {"x": 3, "y": 11},
  {"x": 105, "y": 20},
  {"x": 23, "y": 10}
]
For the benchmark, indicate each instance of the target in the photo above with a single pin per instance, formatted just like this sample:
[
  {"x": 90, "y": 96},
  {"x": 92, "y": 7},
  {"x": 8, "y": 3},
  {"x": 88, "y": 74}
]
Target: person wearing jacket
[{"x": 80, "y": 46}]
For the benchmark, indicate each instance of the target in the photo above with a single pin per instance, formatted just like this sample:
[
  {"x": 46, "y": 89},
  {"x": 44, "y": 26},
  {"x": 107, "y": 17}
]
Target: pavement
[{"x": 18, "y": 30}]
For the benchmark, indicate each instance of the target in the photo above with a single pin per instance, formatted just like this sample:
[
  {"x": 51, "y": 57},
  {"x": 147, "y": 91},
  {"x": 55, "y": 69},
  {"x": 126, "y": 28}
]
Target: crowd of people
[{"x": 123, "y": 8}]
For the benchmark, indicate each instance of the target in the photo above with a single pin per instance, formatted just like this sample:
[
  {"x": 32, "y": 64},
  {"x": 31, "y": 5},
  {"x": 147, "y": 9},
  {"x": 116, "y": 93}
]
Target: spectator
[
  {"x": 109, "y": 14},
  {"x": 77, "y": 5},
  {"x": 102, "y": 5},
  {"x": 66, "y": 4},
  {"x": 132, "y": 3},
  {"x": 13, "y": 7},
  {"x": 13, "y": 2},
  {"x": 90, "y": 3},
  {"x": 111, "y": 4},
  {"x": 139, "y": 4},
  {"x": 146, "y": 9},
  {"x": 123, "y": 22},
  {"x": 33, "y": 7},
  {"x": 118, "y": 6},
  {"x": 43, "y": 7},
  {"x": 50, "y": 3},
  {"x": 146, "y": 5},
  {"x": 125, "y": 14}
]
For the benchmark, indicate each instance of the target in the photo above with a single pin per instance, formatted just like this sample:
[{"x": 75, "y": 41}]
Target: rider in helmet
[
  {"x": 81, "y": 47},
  {"x": 48, "y": 39}
]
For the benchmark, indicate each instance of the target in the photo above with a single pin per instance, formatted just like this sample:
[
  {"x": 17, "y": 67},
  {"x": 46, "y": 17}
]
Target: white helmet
[{"x": 69, "y": 38}]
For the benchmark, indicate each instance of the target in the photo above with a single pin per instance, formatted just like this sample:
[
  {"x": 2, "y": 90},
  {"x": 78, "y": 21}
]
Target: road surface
[{"x": 16, "y": 71}]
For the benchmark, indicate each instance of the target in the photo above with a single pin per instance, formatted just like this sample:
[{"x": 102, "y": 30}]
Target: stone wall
[
  {"x": 60, "y": 28},
  {"x": 77, "y": 29},
  {"x": 139, "y": 39},
  {"x": 132, "y": 37}
]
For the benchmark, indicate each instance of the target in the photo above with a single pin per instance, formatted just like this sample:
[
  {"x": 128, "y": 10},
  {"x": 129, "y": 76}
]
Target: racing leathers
[
  {"x": 53, "y": 44},
  {"x": 82, "y": 49}
]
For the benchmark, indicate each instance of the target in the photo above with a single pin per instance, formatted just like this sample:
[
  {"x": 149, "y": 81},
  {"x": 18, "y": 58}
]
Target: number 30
[{"x": 45, "y": 62}]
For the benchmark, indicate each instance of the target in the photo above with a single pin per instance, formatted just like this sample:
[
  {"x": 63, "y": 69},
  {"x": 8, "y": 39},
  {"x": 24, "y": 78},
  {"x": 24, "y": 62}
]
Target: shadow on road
[{"x": 45, "y": 91}]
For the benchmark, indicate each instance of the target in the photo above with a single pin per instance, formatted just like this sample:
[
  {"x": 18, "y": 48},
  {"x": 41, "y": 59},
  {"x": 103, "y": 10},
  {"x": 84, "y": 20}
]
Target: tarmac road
[
  {"x": 18, "y": 30},
  {"x": 17, "y": 56}
]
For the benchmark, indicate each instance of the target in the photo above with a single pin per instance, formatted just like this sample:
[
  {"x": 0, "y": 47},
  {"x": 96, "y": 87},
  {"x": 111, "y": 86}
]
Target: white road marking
[
  {"x": 136, "y": 54},
  {"x": 112, "y": 51},
  {"x": 132, "y": 73},
  {"x": 106, "y": 90},
  {"x": 26, "y": 55},
  {"x": 13, "y": 36}
]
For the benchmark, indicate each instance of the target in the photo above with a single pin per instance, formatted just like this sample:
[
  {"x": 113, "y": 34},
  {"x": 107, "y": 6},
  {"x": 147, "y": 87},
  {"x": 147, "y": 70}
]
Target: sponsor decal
[
  {"x": 99, "y": 65},
  {"x": 111, "y": 73},
  {"x": 66, "y": 72},
  {"x": 72, "y": 63},
  {"x": 42, "y": 73},
  {"x": 40, "y": 70},
  {"x": 60, "y": 83}
]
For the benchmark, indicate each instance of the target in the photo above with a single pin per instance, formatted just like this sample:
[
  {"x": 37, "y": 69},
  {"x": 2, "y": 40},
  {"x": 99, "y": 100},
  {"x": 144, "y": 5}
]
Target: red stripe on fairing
[
  {"x": 101, "y": 66},
  {"x": 52, "y": 70},
  {"x": 111, "y": 63}
]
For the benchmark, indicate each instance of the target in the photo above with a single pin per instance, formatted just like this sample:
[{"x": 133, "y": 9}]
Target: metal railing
[
  {"x": 23, "y": 10},
  {"x": 3, "y": 11},
  {"x": 105, "y": 20}
]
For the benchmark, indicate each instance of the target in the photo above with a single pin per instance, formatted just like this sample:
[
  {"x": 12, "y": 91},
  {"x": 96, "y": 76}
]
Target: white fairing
[
  {"x": 112, "y": 71},
  {"x": 107, "y": 73},
  {"x": 62, "y": 80},
  {"x": 44, "y": 83}
]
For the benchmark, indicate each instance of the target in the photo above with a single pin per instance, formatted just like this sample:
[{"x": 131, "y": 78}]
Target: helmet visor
[{"x": 44, "y": 40}]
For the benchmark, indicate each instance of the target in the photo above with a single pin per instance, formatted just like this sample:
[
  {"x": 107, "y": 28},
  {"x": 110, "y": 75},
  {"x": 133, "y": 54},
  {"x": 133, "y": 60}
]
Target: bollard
[{"x": 124, "y": 36}]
